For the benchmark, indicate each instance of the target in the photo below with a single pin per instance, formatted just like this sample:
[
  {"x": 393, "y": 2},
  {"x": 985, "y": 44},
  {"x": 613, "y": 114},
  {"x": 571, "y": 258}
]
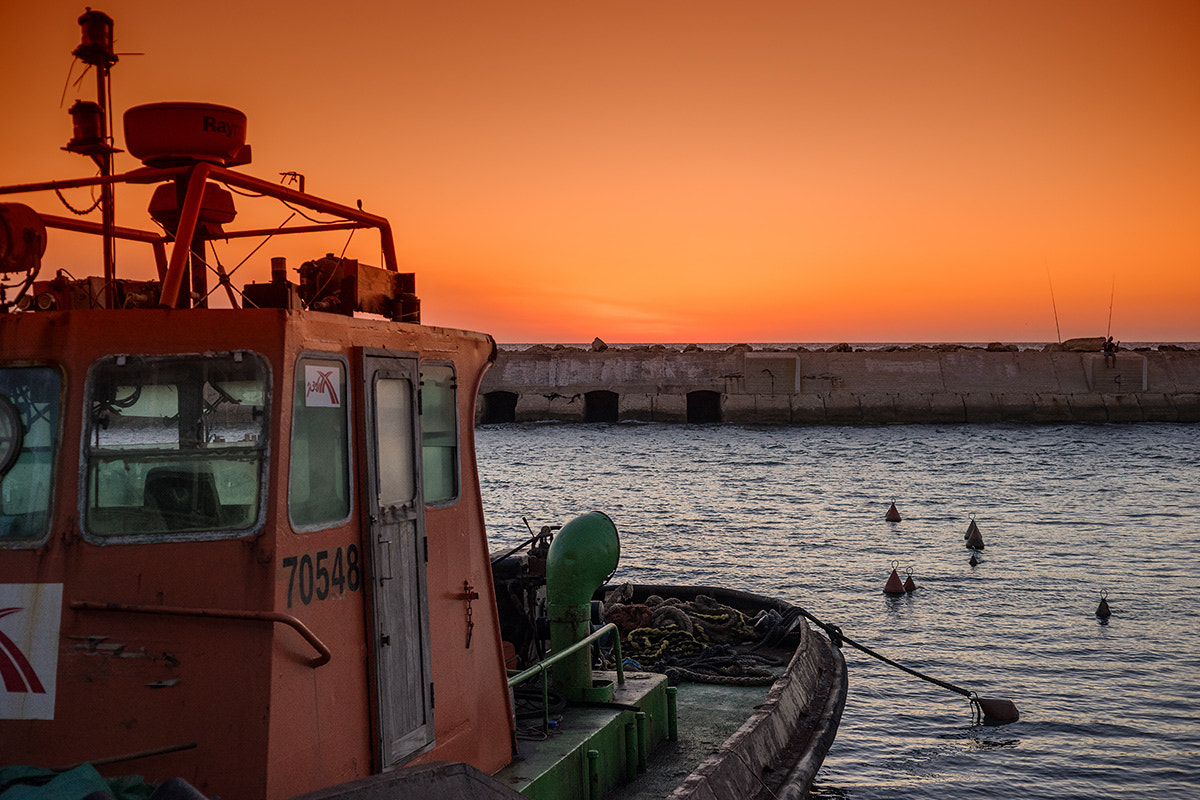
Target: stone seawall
[{"x": 940, "y": 384}]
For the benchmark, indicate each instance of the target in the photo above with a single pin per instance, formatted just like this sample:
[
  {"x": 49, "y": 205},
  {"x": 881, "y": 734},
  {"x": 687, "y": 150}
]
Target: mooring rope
[
  {"x": 897, "y": 665},
  {"x": 836, "y": 637},
  {"x": 985, "y": 710},
  {"x": 690, "y": 641}
]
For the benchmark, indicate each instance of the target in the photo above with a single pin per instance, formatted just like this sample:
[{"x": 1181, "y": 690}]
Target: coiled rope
[{"x": 690, "y": 640}]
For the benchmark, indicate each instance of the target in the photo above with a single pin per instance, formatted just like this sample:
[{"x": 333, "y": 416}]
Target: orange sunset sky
[{"x": 692, "y": 171}]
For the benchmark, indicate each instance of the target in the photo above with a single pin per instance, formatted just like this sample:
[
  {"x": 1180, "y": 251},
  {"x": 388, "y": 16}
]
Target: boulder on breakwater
[{"x": 842, "y": 384}]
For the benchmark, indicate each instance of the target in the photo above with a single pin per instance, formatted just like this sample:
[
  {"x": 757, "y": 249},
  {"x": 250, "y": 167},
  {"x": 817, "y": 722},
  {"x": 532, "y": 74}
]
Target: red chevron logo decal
[{"x": 15, "y": 669}]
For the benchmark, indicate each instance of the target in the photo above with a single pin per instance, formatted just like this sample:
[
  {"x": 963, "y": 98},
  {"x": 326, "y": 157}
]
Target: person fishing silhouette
[{"x": 1110, "y": 352}]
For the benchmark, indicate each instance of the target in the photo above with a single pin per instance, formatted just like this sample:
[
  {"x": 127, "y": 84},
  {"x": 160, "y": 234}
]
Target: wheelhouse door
[{"x": 396, "y": 535}]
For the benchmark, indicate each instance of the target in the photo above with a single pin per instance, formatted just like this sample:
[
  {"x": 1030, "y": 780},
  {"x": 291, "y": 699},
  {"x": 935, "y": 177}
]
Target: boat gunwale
[{"x": 782, "y": 717}]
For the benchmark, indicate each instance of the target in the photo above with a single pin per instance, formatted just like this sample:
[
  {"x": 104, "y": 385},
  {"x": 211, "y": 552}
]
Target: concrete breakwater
[{"x": 1069, "y": 383}]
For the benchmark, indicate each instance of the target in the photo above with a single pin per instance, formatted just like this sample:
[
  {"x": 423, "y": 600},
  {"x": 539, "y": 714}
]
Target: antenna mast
[{"x": 93, "y": 130}]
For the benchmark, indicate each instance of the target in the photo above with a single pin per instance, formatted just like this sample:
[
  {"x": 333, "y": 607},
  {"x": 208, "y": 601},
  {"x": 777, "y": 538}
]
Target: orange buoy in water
[
  {"x": 1102, "y": 610},
  {"x": 973, "y": 536},
  {"x": 909, "y": 584},
  {"x": 892, "y": 515},
  {"x": 997, "y": 711},
  {"x": 893, "y": 585}
]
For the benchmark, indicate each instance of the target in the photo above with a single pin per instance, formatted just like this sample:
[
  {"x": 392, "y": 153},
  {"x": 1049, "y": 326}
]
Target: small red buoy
[
  {"x": 1102, "y": 610},
  {"x": 893, "y": 585},
  {"x": 909, "y": 584},
  {"x": 892, "y": 515},
  {"x": 973, "y": 536}
]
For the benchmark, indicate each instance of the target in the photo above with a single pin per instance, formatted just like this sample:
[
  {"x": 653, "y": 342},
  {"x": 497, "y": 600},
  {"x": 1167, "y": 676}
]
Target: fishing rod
[
  {"x": 1111, "y": 295},
  {"x": 1054, "y": 306},
  {"x": 989, "y": 710}
]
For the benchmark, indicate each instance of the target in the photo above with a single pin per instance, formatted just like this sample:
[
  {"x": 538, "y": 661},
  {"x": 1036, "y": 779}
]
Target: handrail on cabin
[
  {"x": 218, "y": 613},
  {"x": 543, "y": 666}
]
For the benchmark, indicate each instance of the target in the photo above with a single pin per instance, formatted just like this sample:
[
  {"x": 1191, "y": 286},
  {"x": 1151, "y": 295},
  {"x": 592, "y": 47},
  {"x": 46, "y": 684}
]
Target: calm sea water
[{"x": 1107, "y": 710}]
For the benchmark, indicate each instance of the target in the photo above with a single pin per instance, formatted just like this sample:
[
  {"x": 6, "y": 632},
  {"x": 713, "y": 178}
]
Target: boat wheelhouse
[{"x": 238, "y": 543}]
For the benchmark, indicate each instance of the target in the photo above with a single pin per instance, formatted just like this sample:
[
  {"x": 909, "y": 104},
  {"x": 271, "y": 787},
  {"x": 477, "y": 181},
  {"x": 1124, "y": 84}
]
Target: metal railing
[{"x": 543, "y": 666}]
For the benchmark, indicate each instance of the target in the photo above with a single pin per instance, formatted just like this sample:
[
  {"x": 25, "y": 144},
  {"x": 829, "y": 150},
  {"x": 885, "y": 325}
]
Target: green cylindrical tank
[{"x": 584, "y": 553}]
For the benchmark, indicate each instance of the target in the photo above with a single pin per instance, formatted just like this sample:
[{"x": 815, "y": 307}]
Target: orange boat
[{"x": 244, "y": 547}]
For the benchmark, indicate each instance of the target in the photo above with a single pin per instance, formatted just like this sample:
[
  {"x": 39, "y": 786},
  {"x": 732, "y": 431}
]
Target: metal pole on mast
[{"x": 93, "y": 131}]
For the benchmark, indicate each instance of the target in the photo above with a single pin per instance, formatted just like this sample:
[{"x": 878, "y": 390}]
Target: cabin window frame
[
  {"x": 261, "y": 447},
  {"x": 347, "y": 405},
  {"x": 55, "y": 450},
  {"x": 454, "y": 437}
]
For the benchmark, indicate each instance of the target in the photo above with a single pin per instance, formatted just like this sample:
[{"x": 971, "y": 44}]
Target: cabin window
[
  {"x": 319, "y": 474},
  {"x": 397, "y": 482},
  {"x": 439, "y": 433},
  {"x": 30, "y": 399},
  {"x": 176, "y": 445}
]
